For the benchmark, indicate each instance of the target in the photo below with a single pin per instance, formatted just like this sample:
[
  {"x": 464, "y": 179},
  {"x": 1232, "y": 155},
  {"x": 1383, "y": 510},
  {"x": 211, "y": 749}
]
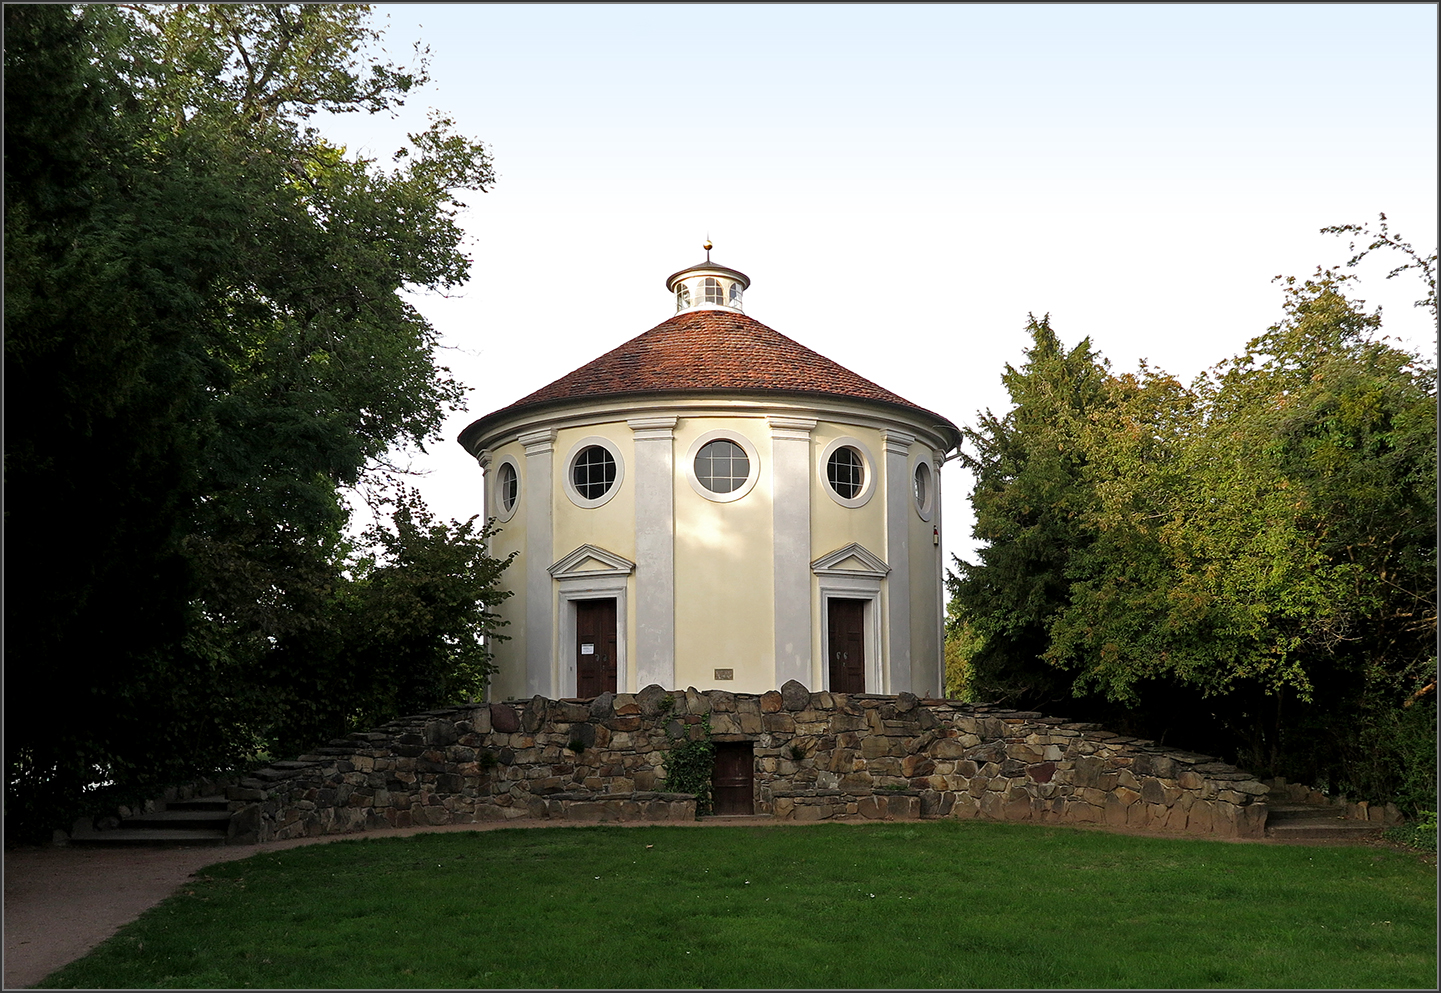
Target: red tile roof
[{"x": 708, "y": 351}]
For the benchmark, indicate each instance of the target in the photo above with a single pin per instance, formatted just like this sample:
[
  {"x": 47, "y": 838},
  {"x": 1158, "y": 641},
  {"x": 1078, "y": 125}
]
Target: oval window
[
  {"x": 722, "y": 466},
  {"x": 593, "y": 472},
  {"x": 509, "y": 487},
  {"x": 845, "y": 471},
  {"x": 923, "y": 486}
]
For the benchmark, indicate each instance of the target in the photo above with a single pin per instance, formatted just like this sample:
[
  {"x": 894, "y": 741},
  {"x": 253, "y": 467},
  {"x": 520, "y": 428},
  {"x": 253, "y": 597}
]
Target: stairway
[
  {"x": 1312, "y": 824},
  {"x": 202, "y": 821}
]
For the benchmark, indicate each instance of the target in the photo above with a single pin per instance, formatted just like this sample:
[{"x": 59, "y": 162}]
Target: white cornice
[
  {"x": 526, "y": 424},
  {"x": 613, "y": 564},
  {"x": 872, "y": 565}
]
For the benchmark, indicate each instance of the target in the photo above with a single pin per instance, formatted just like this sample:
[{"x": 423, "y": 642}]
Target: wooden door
[
  {"x": 733, "y": 781},
  {"x": 595, "y": 648},
  {"x": 847, "y": 645}
]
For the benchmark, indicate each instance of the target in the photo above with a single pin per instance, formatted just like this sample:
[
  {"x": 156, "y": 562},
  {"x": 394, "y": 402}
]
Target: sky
[{"x": 904, "y": 185}]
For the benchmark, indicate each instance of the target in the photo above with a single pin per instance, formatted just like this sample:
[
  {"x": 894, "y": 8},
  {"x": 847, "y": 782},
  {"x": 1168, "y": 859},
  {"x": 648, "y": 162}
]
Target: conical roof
[{"x": 712, "y": 351}]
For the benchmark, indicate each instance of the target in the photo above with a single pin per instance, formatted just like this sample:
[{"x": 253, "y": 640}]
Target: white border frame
[
  {"x": 590, "y": 584},
  {"x": 862, "y": 583},
  {"x": 497, "y": 510},
  {"x": 868, "y": 472},
  {"x": 926, "y": 511},
  {"x": 868, "y": 591},
  {"x": 568, "y": 475},
  {"x": 723, "y": 434}
]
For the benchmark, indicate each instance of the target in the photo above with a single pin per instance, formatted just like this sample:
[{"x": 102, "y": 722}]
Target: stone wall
[{"x": 818, "y": 756}]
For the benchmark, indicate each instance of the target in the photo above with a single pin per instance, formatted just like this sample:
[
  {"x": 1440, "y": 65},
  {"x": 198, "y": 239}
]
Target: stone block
[
  {"x": 771, "y": 702},
  {"x": 794, "y": 695},
  {"x": 965, "y": 807},
  {"x": 750, "y": 723},
  {"x": 724, "y": 723},
  {"x": 696, "y": 702},
  {"x": 917, "y": 765},
  {"x": 503, "y": 718},
  {"x": 1041, "y": 772},
  {"x": 652, "y": 701},
  {"x": 569, "y": 713},
  {"x": 948, "y": 748},
  {"x": 885, "y": 765},
  {"x": 781, "y": 723},
  {"x": 872, "y": 808},
  {"x": 875, "y": 745},
  {"x": 813, "y": 811},
  {"x": 1018, "y": 809}
]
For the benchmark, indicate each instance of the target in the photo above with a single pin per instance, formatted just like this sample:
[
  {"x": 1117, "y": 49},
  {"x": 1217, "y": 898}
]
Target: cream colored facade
[{"x": 729, "y": 589}]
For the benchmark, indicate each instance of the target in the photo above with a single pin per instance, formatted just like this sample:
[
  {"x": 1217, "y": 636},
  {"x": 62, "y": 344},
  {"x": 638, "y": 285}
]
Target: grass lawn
[{"x": 918, "y": 905}]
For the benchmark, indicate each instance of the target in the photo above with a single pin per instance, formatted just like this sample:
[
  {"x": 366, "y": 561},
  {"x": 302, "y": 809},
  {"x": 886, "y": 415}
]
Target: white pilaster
[
  {"x": 540, "y": 676},
  {"x": 897, "y": 671},
  {"x": 791, "y": 535},
  {"x": 937, "y": 461},
  {"x": 654, "y": 549}
]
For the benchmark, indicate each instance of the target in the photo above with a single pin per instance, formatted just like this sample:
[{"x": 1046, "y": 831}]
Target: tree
[
  {"x": 206, "y": 343},
  {"x": 1263, "y": 533},
  {"x": 1246, "y": 565},
  {"x": 1029, "y": 504},
  {"x": 410, "y": 630}
]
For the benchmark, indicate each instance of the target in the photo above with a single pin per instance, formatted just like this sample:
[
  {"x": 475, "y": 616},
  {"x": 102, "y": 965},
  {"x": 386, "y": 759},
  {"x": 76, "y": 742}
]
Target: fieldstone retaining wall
[{"x": 818, "y": 756}]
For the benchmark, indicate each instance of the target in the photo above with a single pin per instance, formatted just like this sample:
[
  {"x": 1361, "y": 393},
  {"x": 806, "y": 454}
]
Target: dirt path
[{"x": 62, "y": 902}]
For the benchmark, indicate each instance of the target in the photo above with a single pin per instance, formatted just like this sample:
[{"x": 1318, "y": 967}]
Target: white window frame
[
  {"x": 868, "y": 472},
  {"x": 568, "y": 477},
  {"x": 926, "y": 510},
  {"x": 497, "y": 508},
  {"x": 744, "y": 443}
]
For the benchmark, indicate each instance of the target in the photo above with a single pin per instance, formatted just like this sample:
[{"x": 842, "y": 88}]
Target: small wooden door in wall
[
  {"x": 733, "y": 781},
  {"x": 847, "y": 645},
  {"x": 595, "y": 648}
]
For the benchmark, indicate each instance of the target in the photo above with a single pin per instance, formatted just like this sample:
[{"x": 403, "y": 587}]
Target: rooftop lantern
[{"x": 708, "y": 286}]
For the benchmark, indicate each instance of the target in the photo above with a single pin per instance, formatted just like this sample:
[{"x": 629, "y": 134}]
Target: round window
[
  {"x": 845, "y": 471},
  {"x": 722, "y": 466},
  {"x": 593, "y": 472},
  {"x": 509, "y": 484}
]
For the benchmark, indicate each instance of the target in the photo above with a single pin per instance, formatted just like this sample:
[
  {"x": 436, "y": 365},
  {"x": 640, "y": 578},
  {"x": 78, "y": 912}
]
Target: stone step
[
  {"x": 1340, "y": 832},
  {"x": 200, "y": 803},
  {"x": 168, "y": 837},
  {"x": 194, "y": 820},
  {"x": 1309, "y": 822}
]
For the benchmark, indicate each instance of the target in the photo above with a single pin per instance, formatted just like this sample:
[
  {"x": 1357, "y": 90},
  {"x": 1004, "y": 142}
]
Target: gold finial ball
[{"x": 707, "y": 245}]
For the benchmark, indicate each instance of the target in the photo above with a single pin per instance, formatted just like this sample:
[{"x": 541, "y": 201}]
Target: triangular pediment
[
  {"x": 852, "y": 560},
  {"x": 590, "y": 561}
]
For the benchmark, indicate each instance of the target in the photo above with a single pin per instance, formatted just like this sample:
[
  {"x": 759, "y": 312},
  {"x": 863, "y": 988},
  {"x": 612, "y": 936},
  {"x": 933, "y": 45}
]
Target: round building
[{"x": 713, "y": 504}]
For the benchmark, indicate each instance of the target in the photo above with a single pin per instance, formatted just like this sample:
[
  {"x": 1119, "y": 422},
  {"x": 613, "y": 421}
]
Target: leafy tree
[
  {"x": 1266, "y": 532},
  {"x": 1246, "y": 564},
  {"x": 411, "y": 629},
  {"x": 206, "y": 342},
  {"x": 962, "y": 644},
  {"x": 1029, "y": 503}
]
